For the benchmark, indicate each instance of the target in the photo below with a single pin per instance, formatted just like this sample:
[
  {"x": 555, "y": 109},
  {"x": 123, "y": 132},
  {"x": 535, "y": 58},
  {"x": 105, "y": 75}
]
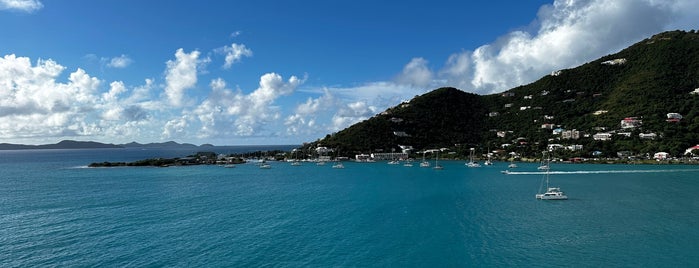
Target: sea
[{"x": 57, "y": 212}]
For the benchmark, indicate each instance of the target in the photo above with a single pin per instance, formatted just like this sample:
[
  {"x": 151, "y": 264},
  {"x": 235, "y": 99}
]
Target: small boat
[
  {"x": 265, "y": 166},
  {"x": 393, "y": 162},
  {"x": 471, "y": 162},
  {"x": 229, "y": 166},
  {"x": 489, "y": 162},
  {"x": 436, "y": 163},
  {"x": 552, "y": 193},
  {"x": 296, "y": 161},
  {"x": 408, "y": 164},
  {"x": 512, "y": 161},
  {"x": 424, "y": 163},
  {"x": 338, "y": 165}
]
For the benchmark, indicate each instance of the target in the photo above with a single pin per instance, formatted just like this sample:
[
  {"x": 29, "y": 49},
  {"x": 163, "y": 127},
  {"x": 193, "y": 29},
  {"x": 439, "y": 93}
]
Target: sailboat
[
  {"x": 338, "y": 164},
  {"x": 265, "y": 165},
  {"x": 424, "y": 163},
  {"x": 472, "y": 163},
  {"x": 296, "y": 161},
  {"x": 552, "y": 193},
  {"x": 489, "y": 162},
  {"x": 512, "y": 161},
  {"x": 436, "y": 162}
]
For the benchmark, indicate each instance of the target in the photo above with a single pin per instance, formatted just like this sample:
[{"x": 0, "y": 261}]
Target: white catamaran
[{"x": 552, "y": 193}]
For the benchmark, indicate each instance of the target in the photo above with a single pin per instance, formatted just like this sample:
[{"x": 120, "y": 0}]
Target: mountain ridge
[
  {"x": 645, "y": 82},
  {"x": 72, "y": 144}
]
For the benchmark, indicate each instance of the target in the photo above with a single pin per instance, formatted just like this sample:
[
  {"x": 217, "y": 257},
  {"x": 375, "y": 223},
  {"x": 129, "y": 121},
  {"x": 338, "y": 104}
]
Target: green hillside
[
  {"x": 441, "y": 118},
  {"x": 646, "y": 81}
]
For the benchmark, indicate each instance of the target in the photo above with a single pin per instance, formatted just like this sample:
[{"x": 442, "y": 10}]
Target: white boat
[
  {"x": 472, "y": 163},
  {"x": 436, "y": 163},
  {"x": 338, "y": 165},
  {"x": 229, "y": 166},
  {"x": 393, "y": 162},
  {"x": 512, "y": 161},
  {"x": 265, "y": 166},
  {"x": 296, "y": 161},
  {"x": 489, "y": 161},
  {"x": 408, "y": 164},
  {"x": 552, "y": 193},
  {"x": 424, "y": 163}
]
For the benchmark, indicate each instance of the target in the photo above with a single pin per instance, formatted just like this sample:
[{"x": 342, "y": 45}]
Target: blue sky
[{"x": 282, "y": 72}]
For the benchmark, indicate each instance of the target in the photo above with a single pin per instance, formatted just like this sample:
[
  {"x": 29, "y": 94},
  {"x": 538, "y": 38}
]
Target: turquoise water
[{"x": 56, "y": 212}]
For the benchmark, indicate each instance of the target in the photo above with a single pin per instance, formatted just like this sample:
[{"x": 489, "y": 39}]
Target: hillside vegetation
[{"x": 644, "y": 83}]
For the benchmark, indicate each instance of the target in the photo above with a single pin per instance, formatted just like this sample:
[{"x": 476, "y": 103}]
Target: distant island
[{"x": 71, "y": 144}]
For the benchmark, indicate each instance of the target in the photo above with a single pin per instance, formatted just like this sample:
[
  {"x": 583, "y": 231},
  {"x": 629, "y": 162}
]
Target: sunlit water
[{"x": 56, "y": 212}]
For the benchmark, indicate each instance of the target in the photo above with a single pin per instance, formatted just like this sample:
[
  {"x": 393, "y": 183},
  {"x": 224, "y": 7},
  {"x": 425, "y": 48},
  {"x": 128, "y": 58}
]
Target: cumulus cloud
[
  {"x": 21, "y": 5},
  {"x": 122, "y": 61},
  {"x": 569, "y": 33},
  {"x": 416, "y": 73},
  {"x": 34, "y": 104},
  {"x": 352, "y": 113},
  {"x": 232, "y": 113},
  {"x": 303, "y": 121},
  {"x": 234, "y": 53},
  {"x": 180, "y": 75}
]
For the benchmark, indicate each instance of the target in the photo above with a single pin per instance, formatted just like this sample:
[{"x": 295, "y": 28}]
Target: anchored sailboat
[
  {"x": 471, "y": 162},
  {"x": 436, "y": 162},
  {"x": 552, "y": 193},
  {"x": 424, "y": 163}
]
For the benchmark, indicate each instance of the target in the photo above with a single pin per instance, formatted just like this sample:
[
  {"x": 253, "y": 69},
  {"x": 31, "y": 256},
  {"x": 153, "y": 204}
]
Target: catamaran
[{"x": 552, "y": 193}]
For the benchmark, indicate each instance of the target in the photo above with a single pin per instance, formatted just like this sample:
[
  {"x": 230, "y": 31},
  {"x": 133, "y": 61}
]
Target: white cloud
[
  {"x": 234, "y": 53},
  {"x": 352, "y": 113},
  {"x": 175, "y": 128},
  {"x": 341, "y": 107},
  {"x": 304, "y": 120},
  {"x": 416, "y": 73},
  {"x": 34, "y": 104},
  {"x": 181, "y": 74},
  {"x": 122, "y": 61},
  {"x": 570, "y": 33},
  {"x": 226, "y": 113},
  {"x": 21, "y": 5}
]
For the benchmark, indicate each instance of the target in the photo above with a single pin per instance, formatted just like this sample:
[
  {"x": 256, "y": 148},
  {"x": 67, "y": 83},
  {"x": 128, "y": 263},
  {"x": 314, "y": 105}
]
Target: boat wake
[{"x": 598, "y": 171}]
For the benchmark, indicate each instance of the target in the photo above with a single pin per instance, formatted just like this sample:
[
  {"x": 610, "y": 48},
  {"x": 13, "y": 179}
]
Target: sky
[{"x": 283, "y": 72}]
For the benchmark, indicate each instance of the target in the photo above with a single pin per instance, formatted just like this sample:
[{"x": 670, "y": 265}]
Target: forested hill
[
  {"x": 439, "y": 118},
  {"x": 642, "y": 83}
]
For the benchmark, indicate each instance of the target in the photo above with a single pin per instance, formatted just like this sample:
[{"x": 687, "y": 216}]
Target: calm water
[{"x": 56, "y": 212}]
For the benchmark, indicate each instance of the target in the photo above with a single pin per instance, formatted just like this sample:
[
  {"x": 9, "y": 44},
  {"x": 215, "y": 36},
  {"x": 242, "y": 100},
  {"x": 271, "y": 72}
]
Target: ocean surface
[{"x": 54, "y": 211}]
